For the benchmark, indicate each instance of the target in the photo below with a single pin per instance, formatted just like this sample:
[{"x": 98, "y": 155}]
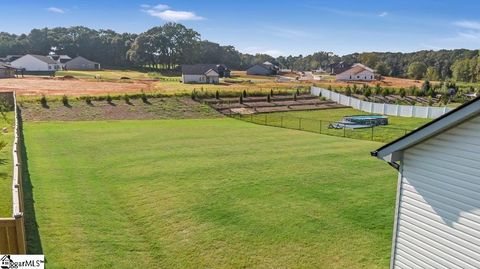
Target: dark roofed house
[
  {"x": 340, "y": 67},
  {"x": 6, "y": 70},
  {"x": 263, "y": 69},
  {"x": 201, "y": 73}
]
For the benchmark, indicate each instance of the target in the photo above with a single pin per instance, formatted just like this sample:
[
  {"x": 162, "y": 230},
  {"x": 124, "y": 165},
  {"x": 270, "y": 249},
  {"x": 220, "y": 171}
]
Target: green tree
[
  {"x": 417, "y": 70},
  {"x": 382, "y": 68},
  {"x": 431, "y": 74}
]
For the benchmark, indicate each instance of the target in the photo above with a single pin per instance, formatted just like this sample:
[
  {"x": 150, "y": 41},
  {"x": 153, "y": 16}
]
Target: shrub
[
  {"x": 271, "y": 92},
  {"x": 124, "y": 78},
  {"x": 295, "y": 97},
  {"x": 126, "y": 98},
  {"x": 348, "y": 92},
  {"x": 144, "y": 97},
  {"x": 367, "y": 93},
  {"x": 43, "y": 101},
  {"x": 244, "y": 94},
  {"x": 385, "y": 92},
  {"x": 402, "y": 93},
  {"x": 329, "y": 87},
  {"x": 88, "y": 100},
  {"x": 65, "y": 100},
  {"x": 109, "y": 99},
  {"x": 378, "y": 89},
  {"x": 323, "y": 98},
  {"x": 269, "y": 99},
  {"x": 430, "y": 101},
  {"x": 194, "y": 94},
  {"x": 241, "y": 99},
  {"x": 217, "y": 95},
  {"x": 298, "y": 91}
]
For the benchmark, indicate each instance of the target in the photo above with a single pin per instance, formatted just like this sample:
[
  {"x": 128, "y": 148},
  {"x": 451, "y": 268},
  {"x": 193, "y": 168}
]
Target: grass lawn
[
  {"x": 319, "y": 120},
  {"x": 209, "y": 193},
  {"x": 6, "y": 167}
]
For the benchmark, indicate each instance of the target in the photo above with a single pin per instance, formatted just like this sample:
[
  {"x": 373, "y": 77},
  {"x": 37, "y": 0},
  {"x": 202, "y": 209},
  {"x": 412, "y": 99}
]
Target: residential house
[
  {"x": 357, "y": 72},
  {"x": 6, "y": 70},
  {"x": 437, "y": 213},
  {"x": 10, "y": 58},
  {"x": 32, "y": 62},
  {"x": 200, "y": 73},
  {"x": 263, "y": 69},
  {"x": 337, "y": 68},
  {"x": 81, "y": 63},
  {"x": 60, "y": 59}
]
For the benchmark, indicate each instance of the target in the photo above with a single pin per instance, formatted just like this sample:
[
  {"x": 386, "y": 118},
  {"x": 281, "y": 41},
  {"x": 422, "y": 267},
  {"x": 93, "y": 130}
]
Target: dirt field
[{"x": 57, "y": 86}]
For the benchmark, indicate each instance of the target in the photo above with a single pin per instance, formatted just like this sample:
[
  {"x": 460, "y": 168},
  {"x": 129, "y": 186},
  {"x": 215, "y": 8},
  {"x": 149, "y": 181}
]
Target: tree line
[{"x": 172, "y": 44}]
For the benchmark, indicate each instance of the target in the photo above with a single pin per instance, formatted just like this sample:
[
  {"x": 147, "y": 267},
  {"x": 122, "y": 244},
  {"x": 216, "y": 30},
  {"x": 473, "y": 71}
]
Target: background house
[
  {"x": 263, "y": 69},
  {"x": 60, "y": 59},
  {"x": 81, "y": 63},
  {"x": 32, "y": 62},
  {"x": 437, "y": 216},
  {"x": 339, "y": 67},
  {"x": 6, "y": 70},
  {"x": 357, "y": 72},
  {"x": 200, "y": 73}
]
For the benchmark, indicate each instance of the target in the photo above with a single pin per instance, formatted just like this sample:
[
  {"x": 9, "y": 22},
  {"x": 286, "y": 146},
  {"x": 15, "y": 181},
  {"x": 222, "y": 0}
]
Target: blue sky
[{"x": 268, "y": 26}]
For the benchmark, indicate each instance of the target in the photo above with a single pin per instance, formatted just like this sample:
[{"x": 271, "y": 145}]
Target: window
[{"x": 358, "y": 76}]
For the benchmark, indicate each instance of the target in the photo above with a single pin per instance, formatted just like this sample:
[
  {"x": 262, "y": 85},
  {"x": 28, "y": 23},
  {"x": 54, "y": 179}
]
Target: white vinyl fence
[{"x": 384, "y": 109}]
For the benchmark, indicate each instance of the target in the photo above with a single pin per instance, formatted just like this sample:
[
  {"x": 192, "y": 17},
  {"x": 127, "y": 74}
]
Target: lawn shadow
[
  {"x": 3, "y": 161},
  {"x": 111, "y": 103},
  {"x": 145, "y": 101},
  {"x": 34, "y": 243}
]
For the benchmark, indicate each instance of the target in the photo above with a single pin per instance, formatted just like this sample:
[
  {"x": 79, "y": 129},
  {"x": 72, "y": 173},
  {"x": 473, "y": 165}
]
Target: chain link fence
[{"x": 374, "y": 133}]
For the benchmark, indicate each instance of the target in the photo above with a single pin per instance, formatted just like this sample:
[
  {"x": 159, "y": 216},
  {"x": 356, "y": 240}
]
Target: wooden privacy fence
[
  {"x": 380, "y": 108},
  {"x": 12, "y": 230}
]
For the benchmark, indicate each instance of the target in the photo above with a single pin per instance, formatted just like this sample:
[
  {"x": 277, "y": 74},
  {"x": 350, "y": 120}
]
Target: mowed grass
[
  {"x": 6, "y": 166},
  {"x": 319, "y": 120},
  {"x": 210, "y": 193}
]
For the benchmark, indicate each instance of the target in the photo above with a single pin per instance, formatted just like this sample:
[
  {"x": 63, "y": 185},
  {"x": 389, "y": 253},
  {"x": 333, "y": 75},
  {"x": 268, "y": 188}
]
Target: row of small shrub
[{"x": 204, "y": 93}]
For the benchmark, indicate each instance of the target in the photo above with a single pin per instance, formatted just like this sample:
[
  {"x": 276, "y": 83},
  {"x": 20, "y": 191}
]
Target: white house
[
  {"x": 437, "y": 215},
  {"x": 357, "y": 72},
  {"x": 200, "y": 73},
  {"x": 31, "y": 62}
]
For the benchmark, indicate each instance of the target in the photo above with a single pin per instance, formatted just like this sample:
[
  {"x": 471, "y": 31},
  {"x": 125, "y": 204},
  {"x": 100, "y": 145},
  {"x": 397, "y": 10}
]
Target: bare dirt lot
[{"x": 59, "y": 86}]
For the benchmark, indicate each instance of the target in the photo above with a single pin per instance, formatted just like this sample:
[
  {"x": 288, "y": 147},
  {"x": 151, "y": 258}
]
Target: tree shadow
[{"x": 34, "y": 243}]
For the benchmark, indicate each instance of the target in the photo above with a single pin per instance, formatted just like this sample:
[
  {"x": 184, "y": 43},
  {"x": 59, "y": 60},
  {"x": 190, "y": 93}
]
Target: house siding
[
  {"x": 31, "y": 63},
  {"x": 364, "y": 75},
  {"x": 258, "y": 70},
  {"x": 81, "y": 64},
  {"x": 199, "y": 79},
  {"x": 438, "y": 220}
]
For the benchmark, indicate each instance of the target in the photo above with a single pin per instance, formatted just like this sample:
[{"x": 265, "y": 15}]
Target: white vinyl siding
[{"x": 438, "y": 222}]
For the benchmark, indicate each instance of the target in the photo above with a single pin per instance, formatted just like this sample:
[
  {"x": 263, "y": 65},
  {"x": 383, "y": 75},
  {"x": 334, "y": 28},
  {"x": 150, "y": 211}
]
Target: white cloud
[
  {"x": 161, "y": 7},
  {"x": 165, "y": 13},
  {"x": 383, "y": 14},
  {"x": 473, "y": 25},
  {"x": 56, "y": 10},
  {"x": 254, "y": 50}
]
